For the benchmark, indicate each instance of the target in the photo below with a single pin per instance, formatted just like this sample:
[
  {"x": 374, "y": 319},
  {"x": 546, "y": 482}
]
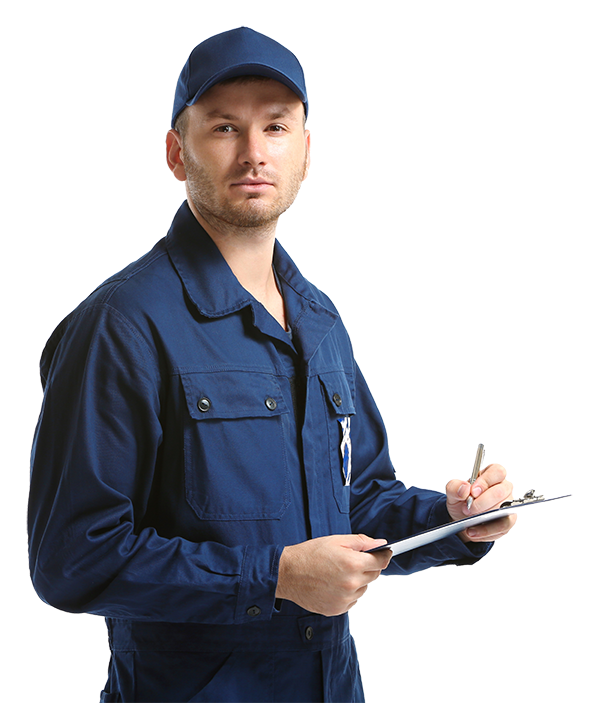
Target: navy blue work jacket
[{"x": 185, "y": 438}]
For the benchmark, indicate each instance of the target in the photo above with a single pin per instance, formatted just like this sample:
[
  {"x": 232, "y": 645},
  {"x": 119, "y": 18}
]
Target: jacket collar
[
  {"x": 215, "y": 291},
  {"x": 206, "y": 276}
]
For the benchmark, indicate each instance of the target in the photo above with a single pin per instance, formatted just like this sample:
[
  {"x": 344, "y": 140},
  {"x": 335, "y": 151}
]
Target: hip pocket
[{"x": 244, "y": 677}]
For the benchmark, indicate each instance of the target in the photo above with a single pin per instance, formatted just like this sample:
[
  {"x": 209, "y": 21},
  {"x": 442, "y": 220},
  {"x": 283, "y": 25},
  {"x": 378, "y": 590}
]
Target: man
[{"x": 209, "y": 460}]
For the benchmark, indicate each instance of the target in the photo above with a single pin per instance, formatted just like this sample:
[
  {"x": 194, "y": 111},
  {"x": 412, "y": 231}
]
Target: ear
[
  {"x": 174, "y": 149},
  {"x": 307, "y": 138}
]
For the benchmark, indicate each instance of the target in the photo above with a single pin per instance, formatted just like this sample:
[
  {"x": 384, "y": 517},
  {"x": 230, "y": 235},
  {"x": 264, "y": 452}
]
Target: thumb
[
  {"x": 362, "y": 543},
  {"x": 457, "y": 491}
]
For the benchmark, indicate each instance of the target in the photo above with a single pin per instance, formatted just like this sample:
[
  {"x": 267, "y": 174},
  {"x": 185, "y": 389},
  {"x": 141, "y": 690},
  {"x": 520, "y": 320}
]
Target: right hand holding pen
[{"x": 327, "y": 575}]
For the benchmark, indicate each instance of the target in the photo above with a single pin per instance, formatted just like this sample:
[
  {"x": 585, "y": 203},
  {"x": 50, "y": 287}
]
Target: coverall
[{"x": 184, "y": 439}]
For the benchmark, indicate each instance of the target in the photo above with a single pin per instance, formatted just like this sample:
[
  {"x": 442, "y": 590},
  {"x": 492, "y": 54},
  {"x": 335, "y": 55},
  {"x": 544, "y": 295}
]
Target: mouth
[{"x": 252, "y": 185}]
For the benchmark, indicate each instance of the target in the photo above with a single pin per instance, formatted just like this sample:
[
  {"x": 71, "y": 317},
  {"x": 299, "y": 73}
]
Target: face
[{"x": 245, "y": 153}]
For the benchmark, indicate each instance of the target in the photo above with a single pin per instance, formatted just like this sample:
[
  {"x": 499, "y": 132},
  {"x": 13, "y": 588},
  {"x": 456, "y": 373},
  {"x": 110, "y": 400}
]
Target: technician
[{"x": 208, "y": 460}]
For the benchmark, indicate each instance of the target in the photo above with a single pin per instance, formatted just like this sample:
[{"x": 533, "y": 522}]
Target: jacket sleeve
[
  {"x": 93, "y": 461},
  {"x": 383, "y": 507}
]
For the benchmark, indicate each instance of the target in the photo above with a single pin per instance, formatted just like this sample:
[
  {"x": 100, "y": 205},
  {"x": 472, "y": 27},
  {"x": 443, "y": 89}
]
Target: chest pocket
[
  {"x": 234, "y": 446},
  {"x": 339, "y": 408}
]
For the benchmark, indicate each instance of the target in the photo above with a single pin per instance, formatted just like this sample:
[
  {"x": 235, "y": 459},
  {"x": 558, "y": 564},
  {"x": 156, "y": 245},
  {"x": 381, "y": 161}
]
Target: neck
[{"x": 249, "y": 253}]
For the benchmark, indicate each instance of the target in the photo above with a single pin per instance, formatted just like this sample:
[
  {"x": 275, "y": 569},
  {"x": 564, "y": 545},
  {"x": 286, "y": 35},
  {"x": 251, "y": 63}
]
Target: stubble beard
[{"x": 248, "y": 217}]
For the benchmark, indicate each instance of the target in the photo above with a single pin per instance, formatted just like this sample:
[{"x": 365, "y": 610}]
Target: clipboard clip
[{"x": 529, "y": 497}]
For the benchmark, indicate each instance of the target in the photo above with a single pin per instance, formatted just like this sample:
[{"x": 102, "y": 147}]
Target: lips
[
  {"x": 252, "y": 185},
  {"x": 251, "y": 182}
]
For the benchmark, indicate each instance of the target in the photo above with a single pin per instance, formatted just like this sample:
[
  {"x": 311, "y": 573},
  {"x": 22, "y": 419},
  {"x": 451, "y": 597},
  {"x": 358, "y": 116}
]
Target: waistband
[{"x": 280, "y": 634}]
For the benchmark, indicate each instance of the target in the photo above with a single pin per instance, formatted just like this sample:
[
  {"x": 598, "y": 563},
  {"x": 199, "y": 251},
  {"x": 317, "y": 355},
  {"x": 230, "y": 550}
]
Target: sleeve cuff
[
  {"x": 258, "y": 582},
  {"x": 456, "y": 551}
]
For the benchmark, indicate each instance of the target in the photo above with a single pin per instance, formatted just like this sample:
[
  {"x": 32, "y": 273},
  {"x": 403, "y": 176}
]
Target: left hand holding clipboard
[{"x": 488, "y": 491}]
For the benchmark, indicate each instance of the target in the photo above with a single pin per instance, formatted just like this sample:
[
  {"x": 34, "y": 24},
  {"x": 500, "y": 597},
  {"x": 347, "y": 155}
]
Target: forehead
[{"x": 247, "y": 96}]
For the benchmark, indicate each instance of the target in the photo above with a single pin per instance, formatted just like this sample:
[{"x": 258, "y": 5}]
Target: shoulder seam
[
  {"x": 103, "y": 305},
  {"x": 116, "y": 283}
]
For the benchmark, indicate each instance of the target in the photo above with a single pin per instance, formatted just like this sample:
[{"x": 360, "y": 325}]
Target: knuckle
[
  {"x": 498, "y": 493},
  {"x": 384, "y": 559},
  {"x": 353, "y": 585},
  {"x": 478, "y": 507}
]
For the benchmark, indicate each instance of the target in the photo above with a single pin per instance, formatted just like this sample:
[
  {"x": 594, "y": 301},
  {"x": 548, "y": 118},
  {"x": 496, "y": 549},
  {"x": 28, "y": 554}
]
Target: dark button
[
  {"x": 271, "y": 403},
  {"x": 203, "y": 405},
  {"x": 337, "y": 399},
  {"x": 309, "y": 633},
  {"x": 253, "y": 611}
]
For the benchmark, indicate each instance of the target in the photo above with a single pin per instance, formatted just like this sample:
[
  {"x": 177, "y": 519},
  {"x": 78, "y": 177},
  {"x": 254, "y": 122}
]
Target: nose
[{"x": 252, "y": 149}]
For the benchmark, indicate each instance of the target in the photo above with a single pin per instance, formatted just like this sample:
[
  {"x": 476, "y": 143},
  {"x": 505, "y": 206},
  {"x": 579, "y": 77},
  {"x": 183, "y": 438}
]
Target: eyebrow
[
  {"x": 218, "y": 114},
  {"x": 221, "y": 115}
]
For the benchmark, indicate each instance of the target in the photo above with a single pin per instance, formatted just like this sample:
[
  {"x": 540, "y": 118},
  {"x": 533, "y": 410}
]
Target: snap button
[
  {"x": 253, "y": 611},
  {"x": 271, "y": 403},
  {"x": 337, "y": 399},
  {"x": 309, "y": 633},
  {"x": 204, "y": 404}
]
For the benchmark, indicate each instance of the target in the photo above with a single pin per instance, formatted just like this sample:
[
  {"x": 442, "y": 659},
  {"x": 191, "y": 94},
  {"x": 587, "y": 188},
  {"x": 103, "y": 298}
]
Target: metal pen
[{"x": 475, "y": 473}]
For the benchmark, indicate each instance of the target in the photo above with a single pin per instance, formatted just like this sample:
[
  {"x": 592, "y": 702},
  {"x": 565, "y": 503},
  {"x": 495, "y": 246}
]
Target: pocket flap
[
  {"x": 338, "y": 393},
  {"x": 232, "y": 394}
]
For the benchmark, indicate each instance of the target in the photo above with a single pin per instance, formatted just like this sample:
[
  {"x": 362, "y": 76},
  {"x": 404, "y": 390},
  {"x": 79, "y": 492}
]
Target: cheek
[
  {"x": 212, "y": 161},
  {"x": 209, "y": 157},
  {"x": 292, "y": 162}
]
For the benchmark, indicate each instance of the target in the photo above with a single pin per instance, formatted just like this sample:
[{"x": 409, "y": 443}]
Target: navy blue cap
[{"x": 238, "y": 52}]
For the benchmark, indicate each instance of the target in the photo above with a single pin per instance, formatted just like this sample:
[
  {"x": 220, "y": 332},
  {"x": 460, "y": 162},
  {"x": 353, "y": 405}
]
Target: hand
[
  {"x": 328, "y": 575},
  {"x": 489, "y": 491}
]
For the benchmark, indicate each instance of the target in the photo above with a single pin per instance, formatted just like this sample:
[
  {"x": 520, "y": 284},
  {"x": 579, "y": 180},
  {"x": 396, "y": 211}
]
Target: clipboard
[{"x": 451, "y": 528}]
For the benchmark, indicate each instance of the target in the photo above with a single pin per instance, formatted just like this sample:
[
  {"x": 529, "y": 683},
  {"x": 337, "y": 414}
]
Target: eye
[
  {"x": 224, "y": 129},
  {"x": 276, "y": 128}
]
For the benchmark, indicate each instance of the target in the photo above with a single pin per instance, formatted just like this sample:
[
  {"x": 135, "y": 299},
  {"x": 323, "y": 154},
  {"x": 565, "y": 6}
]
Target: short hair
[{"x": 181, "y": 123}]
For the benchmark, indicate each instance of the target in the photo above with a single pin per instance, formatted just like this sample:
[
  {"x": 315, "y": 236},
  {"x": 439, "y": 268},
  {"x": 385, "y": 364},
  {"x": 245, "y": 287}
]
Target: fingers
[
  {"x": 490, "y": 531},
  {"x": 374, "y": 561},
  {"x": 457, "y": 491},
  {"x": 354, "y": 588},
  {"x": 327, "y": 575},
  {"x": 360, "y": 543},
  {"x": 375, "y": 564},
  {"x": 490, "y": 490},
  {"x": 360, "y": 593},
  {"x": 377, "y": 561},
  {"x": 490, "y": 476}
]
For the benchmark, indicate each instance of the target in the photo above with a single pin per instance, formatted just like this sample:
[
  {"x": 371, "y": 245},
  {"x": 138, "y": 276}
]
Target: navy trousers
[{"x": 285, "y": 660}]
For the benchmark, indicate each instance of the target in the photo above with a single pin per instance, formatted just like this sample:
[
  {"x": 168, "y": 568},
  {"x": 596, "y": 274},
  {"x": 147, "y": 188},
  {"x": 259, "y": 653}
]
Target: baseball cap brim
[{"x": 250, "y": 69}]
